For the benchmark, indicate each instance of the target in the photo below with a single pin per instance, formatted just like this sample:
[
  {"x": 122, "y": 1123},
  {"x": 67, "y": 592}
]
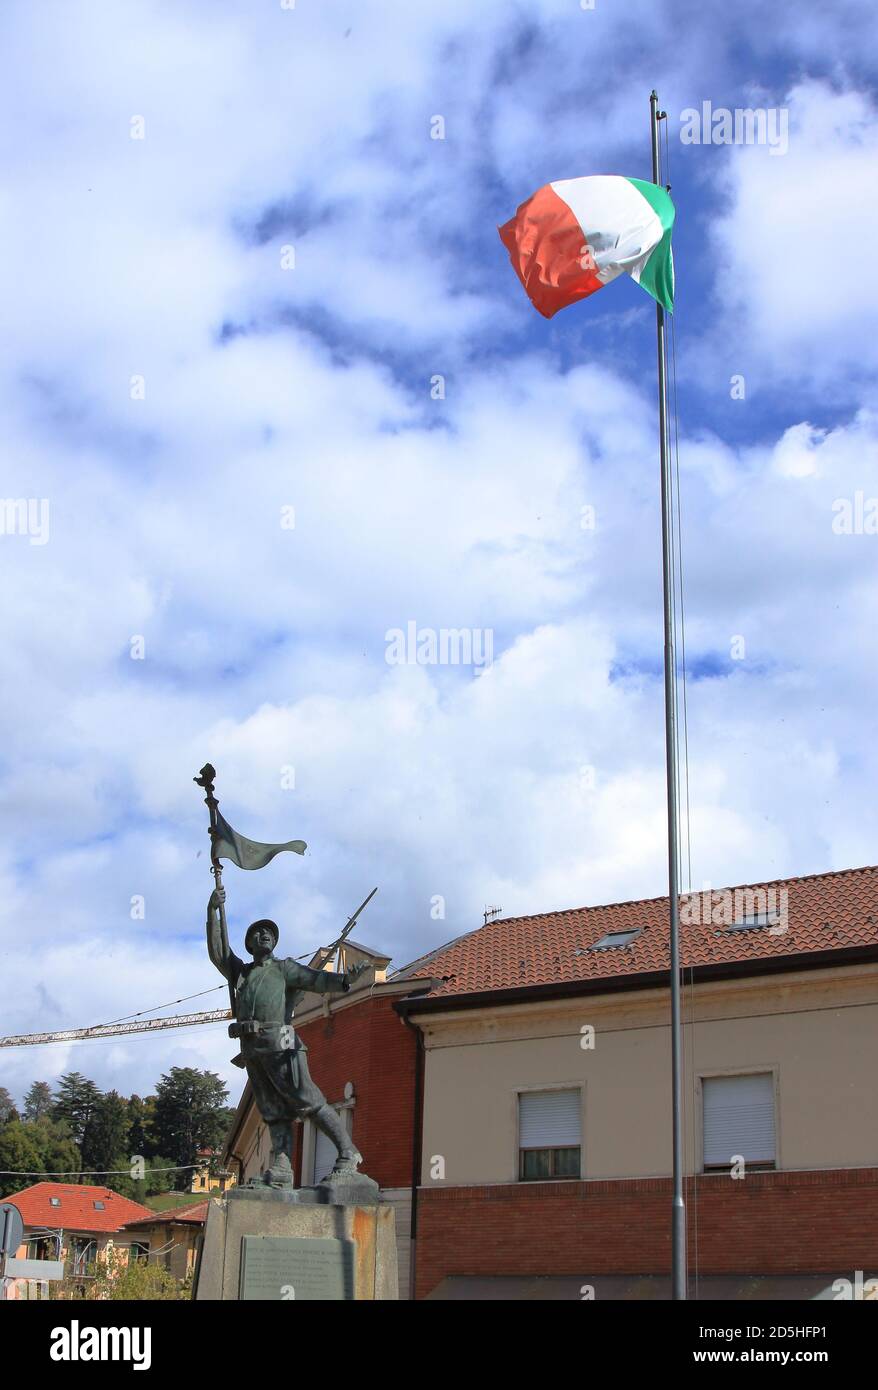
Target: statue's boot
[
  {"x": 279, "y": 1172},
  {"x": 329, "y": 1122}
]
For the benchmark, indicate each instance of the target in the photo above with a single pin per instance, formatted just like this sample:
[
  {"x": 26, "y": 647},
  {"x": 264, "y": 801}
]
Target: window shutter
[
  {"x": 549, "y": 1119},
  {"x": 738, "y": 1118},
  {"x": 324, "y": 1155}
]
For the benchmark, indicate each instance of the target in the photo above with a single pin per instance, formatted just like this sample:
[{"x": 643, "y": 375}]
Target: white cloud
[
  {"x": 265, "y": 646},
  {"x": 794, "y": 250}
]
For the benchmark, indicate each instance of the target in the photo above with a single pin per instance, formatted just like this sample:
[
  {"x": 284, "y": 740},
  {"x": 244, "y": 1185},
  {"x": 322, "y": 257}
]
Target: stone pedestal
[{"x": 305, "y": 1244}]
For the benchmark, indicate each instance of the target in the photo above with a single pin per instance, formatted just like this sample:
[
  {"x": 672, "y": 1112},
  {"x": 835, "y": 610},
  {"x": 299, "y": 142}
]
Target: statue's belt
[{"x": 270, "y": 1035}]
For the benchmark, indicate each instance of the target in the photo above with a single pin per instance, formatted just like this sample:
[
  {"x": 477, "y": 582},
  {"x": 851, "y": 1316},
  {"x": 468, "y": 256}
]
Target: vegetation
[
  {"x": 114, "y": 1278},
  {"x": 111, "y": 1140},
  {"x": 166, "y": 1201}
]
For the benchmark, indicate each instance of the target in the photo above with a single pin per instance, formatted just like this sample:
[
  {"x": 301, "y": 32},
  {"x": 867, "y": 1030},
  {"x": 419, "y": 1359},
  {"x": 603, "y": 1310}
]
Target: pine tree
[
  {"x": 75, "y": 1105},
  {"x": 190, "y": 1114},
  {"x": 105, "y": 1141},
  {"x": 38, "y": 1101},
  {"x": 140, "y": 1115}
]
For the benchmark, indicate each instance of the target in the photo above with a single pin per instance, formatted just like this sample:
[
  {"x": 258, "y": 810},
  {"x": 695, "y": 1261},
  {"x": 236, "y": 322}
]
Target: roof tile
[
  {"x": 196, "y": 1213},
  {"x": 77, "y": 1210},
  {"x": 826, "y": 912}
]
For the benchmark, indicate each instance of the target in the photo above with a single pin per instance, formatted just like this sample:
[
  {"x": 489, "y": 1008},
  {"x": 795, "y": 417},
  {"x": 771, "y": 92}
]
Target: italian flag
[{"x": 575, "y": 236}]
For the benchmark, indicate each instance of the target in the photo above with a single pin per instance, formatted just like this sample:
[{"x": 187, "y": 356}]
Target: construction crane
[
  {"x": 112, "y": 1030},
  {"x": 332, "y": 957}
]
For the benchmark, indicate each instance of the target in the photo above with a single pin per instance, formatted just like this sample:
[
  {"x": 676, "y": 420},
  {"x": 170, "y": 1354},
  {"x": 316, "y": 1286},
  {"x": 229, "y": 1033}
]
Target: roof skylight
[{"x": 615, "y": 938}]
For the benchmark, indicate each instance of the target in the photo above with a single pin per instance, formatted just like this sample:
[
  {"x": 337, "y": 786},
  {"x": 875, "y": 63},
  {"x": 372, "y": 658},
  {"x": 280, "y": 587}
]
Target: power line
[
  {"x": 95, "y": 1172},
  {"x": 183, "y": 1000}
]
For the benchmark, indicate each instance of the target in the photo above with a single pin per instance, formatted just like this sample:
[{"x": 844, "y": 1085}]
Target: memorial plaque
[{"x": 290, "y": 1268}]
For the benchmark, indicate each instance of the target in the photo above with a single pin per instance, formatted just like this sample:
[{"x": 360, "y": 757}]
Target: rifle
[{"x": 327, "y": 951}]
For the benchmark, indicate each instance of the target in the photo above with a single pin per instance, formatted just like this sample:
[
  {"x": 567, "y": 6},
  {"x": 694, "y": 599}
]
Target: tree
[
  {"x": 7, "y": 1106},
  {"x": 190, "y": 1114},
  {"x": 140, "y": 1118},
  {"x": 60, "y": 1154},
  {"x": 105, "y": 1142},
  {"x": 75, "y": 1104},
  {"x": 38, "y": 1101},
  {"x": 156, "y": 1179},
  {"x": 33, "y": 1149},
  {"x": 21, "y": 1156}
]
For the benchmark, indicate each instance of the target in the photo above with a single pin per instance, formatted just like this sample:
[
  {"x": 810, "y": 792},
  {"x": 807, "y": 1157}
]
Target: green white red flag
[{"x": 575, "y": 236}]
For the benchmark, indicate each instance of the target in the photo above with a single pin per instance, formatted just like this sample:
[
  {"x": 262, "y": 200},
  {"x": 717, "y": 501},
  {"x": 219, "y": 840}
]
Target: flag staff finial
[{"x": 679, "y": 1278}]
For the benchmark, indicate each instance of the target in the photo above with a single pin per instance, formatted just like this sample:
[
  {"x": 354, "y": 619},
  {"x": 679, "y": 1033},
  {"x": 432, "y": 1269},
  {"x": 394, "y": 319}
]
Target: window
[
  {"x": 738, "y": 1119},
  {"x": 43, "y": 1248},
  {"x": 98, "y": 1206},
  {"x": 138, "y": 1252},
  {"x": 615, "y": 938},
  {"x": 324, "y": 1150},
  {"x": 751, "y": 920},
  {"x": 549, "y": 1135},
  {"x": 55, "y": 1201},
  {"x": 84, "y": 1253}
]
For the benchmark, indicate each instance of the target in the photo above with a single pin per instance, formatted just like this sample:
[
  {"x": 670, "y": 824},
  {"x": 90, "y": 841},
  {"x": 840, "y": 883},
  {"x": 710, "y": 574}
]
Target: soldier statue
[{"x": 264, "y": 993}]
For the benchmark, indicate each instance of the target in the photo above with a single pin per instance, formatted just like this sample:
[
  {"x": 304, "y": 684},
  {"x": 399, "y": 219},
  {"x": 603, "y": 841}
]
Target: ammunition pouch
[{"x": 246, "y": 1028}]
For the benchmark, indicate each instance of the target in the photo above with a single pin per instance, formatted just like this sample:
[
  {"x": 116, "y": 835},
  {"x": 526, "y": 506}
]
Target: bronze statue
[{"x": 263, "y": 994}]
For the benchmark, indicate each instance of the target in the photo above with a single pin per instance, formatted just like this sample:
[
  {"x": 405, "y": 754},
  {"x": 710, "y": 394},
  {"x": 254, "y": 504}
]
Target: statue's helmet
[{"x": 255, "y": 926}]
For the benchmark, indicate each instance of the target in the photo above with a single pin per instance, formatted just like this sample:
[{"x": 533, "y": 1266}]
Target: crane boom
[{"x": 112, "y": 1030}]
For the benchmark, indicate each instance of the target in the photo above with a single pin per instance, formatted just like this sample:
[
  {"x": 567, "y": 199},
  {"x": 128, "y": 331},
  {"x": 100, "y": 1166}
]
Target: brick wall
[
  {"x": 369, "y": 1045},
  {"x": 768, "y": 1223}
]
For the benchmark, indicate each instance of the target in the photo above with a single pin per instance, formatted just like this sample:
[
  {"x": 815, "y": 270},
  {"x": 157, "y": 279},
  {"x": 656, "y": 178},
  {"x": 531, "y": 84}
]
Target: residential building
[
  {"x": 75, "y": 1223},
  {"x": 547, "y": 1104},
  {"x": 170, "y": 1236},
  {"x": 210, "y": 1177}
]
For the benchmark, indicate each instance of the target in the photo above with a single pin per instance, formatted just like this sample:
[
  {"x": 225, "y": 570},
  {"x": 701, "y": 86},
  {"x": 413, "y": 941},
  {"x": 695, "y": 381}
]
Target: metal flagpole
[{"x": 678, "y": 1211}]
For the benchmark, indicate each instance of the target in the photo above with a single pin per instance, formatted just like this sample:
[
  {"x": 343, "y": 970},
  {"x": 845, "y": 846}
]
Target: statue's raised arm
[{"x": 218, "y": 947}]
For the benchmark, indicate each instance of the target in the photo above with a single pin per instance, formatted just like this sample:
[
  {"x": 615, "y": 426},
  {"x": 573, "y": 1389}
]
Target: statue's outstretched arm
[{"x": 321, "y": 981}]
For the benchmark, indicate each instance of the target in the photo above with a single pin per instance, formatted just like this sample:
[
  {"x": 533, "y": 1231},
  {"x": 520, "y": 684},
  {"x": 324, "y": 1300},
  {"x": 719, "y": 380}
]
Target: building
[
  {"x": 521, "y": 1125},
  {"x": 75, "y": 1223},
  {"x": 547, "y": 1129},
  {"x": 206, "y": 1178},
  {"x": 171, "y": 1237}
]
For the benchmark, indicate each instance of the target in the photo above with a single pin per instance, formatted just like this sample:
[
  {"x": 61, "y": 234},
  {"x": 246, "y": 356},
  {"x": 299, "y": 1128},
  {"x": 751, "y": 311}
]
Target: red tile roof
[
  {"x": 195, "y": 1214},
  {"x": 77, "y": 1210},
  {"x": 826, "y": 912}
]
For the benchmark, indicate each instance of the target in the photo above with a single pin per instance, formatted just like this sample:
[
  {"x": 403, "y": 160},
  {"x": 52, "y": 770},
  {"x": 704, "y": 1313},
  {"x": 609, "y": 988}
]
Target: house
[
  {"x": 547, "y": 1126},
  {"x": 170, "y": 1236},
  {"x": 205, "y": 1178},
  {"x": 520, "y": 1121},
  {"x": 76, "y": 1223}
]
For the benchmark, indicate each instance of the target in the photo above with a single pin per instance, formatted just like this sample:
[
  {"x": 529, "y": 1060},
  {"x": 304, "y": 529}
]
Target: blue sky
[{"x": 539, "y": 783}]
